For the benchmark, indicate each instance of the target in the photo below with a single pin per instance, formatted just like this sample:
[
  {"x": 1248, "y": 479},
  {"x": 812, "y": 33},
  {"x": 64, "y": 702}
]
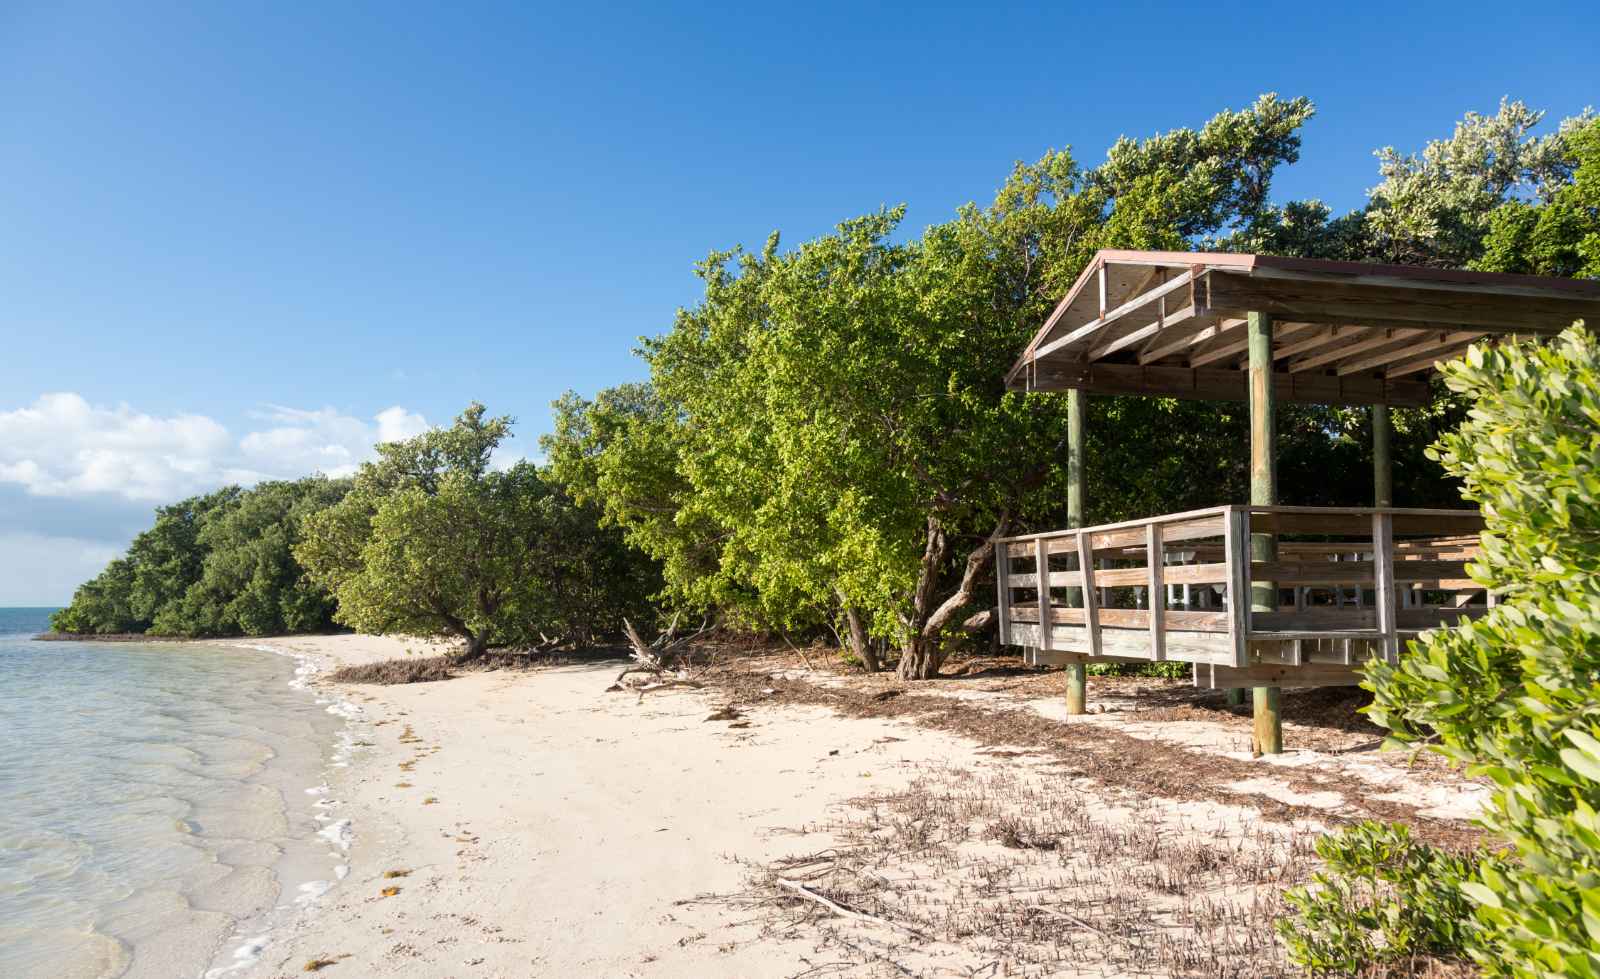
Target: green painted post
[
  {"x": 1382, "y": 464},
  {"x": 1077, "y": 407},
  {"x": 1263, "y": 492}
]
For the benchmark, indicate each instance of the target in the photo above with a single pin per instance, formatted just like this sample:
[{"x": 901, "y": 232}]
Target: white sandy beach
[{"x": 548, "y": 828}]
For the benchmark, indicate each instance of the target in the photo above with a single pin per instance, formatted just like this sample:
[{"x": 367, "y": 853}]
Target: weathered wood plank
[
  {"x": 1088, "y": 330},
  {"x": 1157, "y": 593},
  {"x": 1396, "y": 353},
  {"x": 1042, "y": 585},
  {"x": 1177, "y": 574},
  {"x": 1331, "y": 301},
  {"x": 1427, "y": 361},
  {"x": 1305, "y": 675},
  {"x": 1356, "y": 343},
  {"x": 1133, "y": 644},
  {"x": 1287, "y": 573},
  {"x": 1002, "y": 577},
  {"x": 1229, "y": 340},
  {"x": 1164, "y": 321},
  {"x": 1383, "y": 561},
  {"x": 1357, "y": 521},
  {"x": 1238, "y": 566},
  {"x": 1061, "y": 657},
  {"x": 1177, "y": 620},
  {"x": 1091, "y": 599},
  {"x": 1220, "y": 384},
  {"x": 1334, "y": 619}
]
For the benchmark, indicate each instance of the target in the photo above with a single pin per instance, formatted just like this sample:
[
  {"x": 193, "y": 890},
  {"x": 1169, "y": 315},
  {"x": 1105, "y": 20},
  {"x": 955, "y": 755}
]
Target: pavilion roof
[{"x": 1172, "y": 324}]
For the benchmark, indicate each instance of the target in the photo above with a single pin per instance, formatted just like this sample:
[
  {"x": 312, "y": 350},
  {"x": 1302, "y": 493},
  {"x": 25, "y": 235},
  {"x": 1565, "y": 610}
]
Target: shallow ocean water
[{"x": 160, "y": 804}]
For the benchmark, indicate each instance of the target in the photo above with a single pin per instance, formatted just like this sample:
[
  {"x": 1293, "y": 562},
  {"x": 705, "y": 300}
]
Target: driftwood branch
[
  {"x": 839, "y": 909},
  {"x": 803, "y": 657},
  {"x": 658, "y": 662}
]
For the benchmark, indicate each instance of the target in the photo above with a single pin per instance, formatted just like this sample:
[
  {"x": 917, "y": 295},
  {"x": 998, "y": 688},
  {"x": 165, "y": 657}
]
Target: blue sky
[{"x": 227, "y": 222}]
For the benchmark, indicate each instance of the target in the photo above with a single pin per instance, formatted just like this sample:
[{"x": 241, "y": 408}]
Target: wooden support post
[
  {"x": 1041, "y": 565},
  {"x": 1077, "y": 409},
  {"x": 1382, "y": 464},
  {"x": 1157, "y": 592},
  {"x": 1236, "y": 548},
  {"x": 1091, "y": 601},
  {"x": 1263, "y": 492},
  {"x": 1002, "y": 577},
  {"x": 1383, "y": 583}
]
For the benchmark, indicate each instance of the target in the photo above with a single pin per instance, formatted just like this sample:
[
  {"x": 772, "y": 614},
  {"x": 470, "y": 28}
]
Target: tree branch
[{"x": 976, "y": 561}]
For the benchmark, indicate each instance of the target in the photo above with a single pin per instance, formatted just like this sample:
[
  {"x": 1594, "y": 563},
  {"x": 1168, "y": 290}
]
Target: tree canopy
[
  {"x": 434, "y": 541},
  {"x": 221, "y": 564}
]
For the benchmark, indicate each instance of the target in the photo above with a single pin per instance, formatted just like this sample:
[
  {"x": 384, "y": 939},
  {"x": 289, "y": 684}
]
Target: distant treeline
[
  {"x": 429, "y": 540},
  {"x": 221, "y": 564}
]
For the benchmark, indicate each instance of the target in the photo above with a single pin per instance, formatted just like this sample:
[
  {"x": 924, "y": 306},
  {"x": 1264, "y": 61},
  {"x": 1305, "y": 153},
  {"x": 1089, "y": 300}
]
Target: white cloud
[
  {"x": 77, "y": 479},
  {"x": 397, "y": 423},
  {"x": 62, "y": 446}
]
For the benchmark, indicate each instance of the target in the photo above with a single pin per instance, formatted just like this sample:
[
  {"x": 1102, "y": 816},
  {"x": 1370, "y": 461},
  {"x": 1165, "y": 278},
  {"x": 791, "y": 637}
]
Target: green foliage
[
  {"x": 213, "y": 565},
  {"x": 1383, "y": 897},
  {"x": 1170, "y": 670},
  {"x": 1516, "y": 694},
  {"x": 829, "y": 428},
  {"x": 1492, "y": 196},
  {"x": 1513, "y": 695},
  {"x": 1561, "y": 235},
  {"x": 250, "y": 583},
  {"x": 1434, "y": 208},
  {"x": 432, "y": 541},
  {"x": 102, "y": 605}
]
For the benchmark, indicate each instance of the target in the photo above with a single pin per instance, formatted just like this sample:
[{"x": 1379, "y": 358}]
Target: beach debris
[
  {"x": 317, "y": 965},
  {"x": 430, "y": 800},
  {"x": 659, "y": 659},
  {"x": 392, "y": 874},
  {"x": 728, "y": 713},
  {"x": 402, "y": 785},
  {"x": 389, "y": 892},
  {"x": 839, "y": 909}
]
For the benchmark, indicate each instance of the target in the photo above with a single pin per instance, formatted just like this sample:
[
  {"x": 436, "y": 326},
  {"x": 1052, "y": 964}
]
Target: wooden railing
[{"x": 1350, "y": 583}]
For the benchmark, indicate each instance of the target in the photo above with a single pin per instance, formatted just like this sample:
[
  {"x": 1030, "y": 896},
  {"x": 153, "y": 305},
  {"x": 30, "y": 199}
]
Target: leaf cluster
[
  {"x": 434, "y": 541},
  {"x": 1515, "y": 694},
  {"x": 1382, "y": 897}
]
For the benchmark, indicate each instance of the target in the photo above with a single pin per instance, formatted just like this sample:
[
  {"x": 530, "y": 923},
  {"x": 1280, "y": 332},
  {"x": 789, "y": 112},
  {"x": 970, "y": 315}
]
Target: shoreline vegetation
[{"x": 821, "y": 457}]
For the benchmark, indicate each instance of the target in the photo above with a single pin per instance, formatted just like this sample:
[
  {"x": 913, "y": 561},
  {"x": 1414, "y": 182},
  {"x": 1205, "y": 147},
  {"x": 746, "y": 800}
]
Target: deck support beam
[
  {"x": 1268, "y": 728},
  {"x": 1382, "y": 464},
  {"x": 1077, "y": 408}
]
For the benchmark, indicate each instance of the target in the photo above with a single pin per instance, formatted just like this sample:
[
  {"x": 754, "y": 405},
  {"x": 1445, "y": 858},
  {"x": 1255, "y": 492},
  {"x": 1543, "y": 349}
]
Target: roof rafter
[{"x": 1339, "y": 323}]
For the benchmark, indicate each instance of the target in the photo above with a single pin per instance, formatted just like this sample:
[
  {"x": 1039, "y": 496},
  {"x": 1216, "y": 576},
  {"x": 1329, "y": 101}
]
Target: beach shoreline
[
  {"x": 532, "y": 824},
  {"x": 540, "y": 822}
]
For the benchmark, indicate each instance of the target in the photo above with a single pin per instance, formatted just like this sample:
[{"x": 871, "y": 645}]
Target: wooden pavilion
[{"x": 1328, "y": 587}]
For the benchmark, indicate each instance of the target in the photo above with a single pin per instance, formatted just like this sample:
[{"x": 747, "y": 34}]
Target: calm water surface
[{"x": 161, "y": 806}]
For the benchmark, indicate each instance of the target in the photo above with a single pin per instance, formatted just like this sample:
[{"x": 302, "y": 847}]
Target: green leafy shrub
[
  {"x": 1514, "y": 695},
  {"x": 1384, "y": 897},
  {"x": 1171, "y": 670}
]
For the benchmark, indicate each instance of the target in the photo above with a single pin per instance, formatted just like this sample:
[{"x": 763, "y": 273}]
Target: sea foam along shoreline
[{"x": 336, "y": 829}]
